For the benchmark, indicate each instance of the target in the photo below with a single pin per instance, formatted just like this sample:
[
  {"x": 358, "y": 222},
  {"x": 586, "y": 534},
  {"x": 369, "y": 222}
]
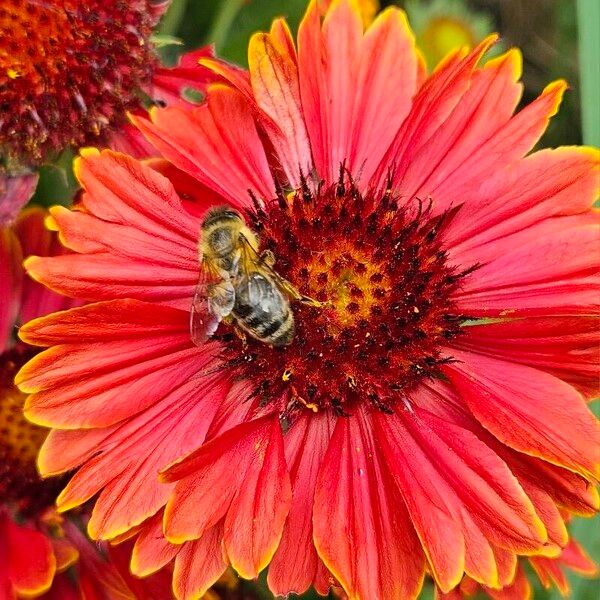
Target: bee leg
[
  {"x": 267, "y": 258},
  {"x": 301, "y": 401},
  {"x": 242, "y": 335},
  {"x": 294, "y": 294},
  {"x": 312, "y": 302}
]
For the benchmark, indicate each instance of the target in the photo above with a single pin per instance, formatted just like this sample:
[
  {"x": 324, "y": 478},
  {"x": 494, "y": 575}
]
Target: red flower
[
  {"x": 429, "y": 415},
  {"x": 70, "y": 70}
]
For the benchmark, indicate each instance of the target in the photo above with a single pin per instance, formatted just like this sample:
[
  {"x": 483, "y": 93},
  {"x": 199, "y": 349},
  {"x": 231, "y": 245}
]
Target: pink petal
[
  {"x": 529, "y": 410},
  {"x": 216, "y": 143},
  {"x": 274, "y": 77},
  {"x": 460, "y": 496},
  {"x": 295, "y": 564},
  {"x": 361, "y": 527}
]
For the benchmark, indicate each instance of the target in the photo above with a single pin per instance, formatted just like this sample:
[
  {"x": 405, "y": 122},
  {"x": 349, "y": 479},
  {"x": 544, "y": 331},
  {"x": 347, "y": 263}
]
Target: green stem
[
  {"x": 226, "y": 14},
  {"x": 588, "y": 16},
  {"x": 171, "y": 20}
]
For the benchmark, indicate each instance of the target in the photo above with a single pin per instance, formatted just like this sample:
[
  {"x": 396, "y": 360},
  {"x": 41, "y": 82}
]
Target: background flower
[{"x": 69, "y": 73}]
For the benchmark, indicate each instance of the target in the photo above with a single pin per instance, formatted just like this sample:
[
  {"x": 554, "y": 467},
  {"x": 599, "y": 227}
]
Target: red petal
[
  {"x": 94, "y": 323},
  {"x": 387, "y": 71},
  {"x": 295, "y": 564},
  {"x": 465, "y": 498},
  {"x": 216, "y": 143},
  {"x": 529, "y": 410},
  {"x": 577, "y": 559},
  {"x": 327, "y": 62},
  {"x": 169, "y": 83},
  {"x": 539, "y": 270},
  {"x": 65, "y": 553},
  {"x": 125, "y": 191},
  {"x": 129, "y": 140},
  {"x": 274, "y": 77},
  {"x": 15, "y": 192},
  {"x": 11, "y": 281},
  {"x": 37, "y": 300},
  {"x": 566, "y": 347},
  {"x": 506, "y": 145},
  {"x": 199, "y": 564},
  {"x": 432, "y": 105},
  {"x": 567, "y": 489},
  {"x": 127, "y": 464},
  {"x": 93, "y": 384},
  {"x": 254, "y": 498},
  {"x": 152, "y": 551},
  {"x": 361, "y": 527},
  {"x": 254, "y": 523},
  {"x": 548, "y": 183},
  {"x": 519, "y": 589},
  {"x": 483, "y": 111},
  {"x": 31, "y": 562}
]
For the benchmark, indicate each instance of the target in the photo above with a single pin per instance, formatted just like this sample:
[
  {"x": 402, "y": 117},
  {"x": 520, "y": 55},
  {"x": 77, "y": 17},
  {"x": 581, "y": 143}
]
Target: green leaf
[
  {"x": 257, "y": 15},
  {"x": 588, "y": 14},
  {"x": 161, "y": 40}
]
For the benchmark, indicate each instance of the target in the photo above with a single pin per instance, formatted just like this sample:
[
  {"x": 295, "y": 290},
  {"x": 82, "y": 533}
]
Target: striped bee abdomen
[{"x": 262, "y": 310}]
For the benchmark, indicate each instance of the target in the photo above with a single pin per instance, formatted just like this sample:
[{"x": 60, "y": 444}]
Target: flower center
[
  {"x": 376, "y": 263},
  {"x": 20, "y": 442},
  {"x": 69, "y": 70}
]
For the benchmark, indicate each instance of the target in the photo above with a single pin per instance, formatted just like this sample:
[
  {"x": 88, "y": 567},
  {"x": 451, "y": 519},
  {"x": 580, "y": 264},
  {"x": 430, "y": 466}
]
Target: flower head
[
  {"x": 70, "y": 71},
  {"x": 443, "y": 25},
  {"x": 428, "y": 412}
]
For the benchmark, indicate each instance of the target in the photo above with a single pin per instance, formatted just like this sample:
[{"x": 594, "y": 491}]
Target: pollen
[
  {"x": 20, "y": 442},
  {"x": 69, "y": 71},
  {"x": 375, "y": 264}
]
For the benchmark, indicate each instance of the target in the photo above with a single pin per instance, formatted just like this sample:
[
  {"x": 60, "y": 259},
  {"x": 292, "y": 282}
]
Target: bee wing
[
  {"x": 214, "y": 298},
  {"x": 252, "y": 261}
]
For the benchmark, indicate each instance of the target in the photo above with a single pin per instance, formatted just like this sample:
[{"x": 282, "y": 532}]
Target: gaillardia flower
[
  {"x": 429, "y": 411},
  {"x": 71, "y": 69}
]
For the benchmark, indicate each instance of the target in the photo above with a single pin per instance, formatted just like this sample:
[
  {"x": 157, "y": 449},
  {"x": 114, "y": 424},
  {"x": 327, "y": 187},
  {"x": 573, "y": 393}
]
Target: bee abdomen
[
  {"x": 277, "y": 330},
  {"x": 281, "y": 331}
]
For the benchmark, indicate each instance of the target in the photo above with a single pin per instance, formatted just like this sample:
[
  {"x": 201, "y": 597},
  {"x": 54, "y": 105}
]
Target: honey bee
[{"x": 238, "y": 285}]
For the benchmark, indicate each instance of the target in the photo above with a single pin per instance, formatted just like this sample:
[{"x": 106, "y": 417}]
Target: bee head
[{"x": 223, "y": 215}]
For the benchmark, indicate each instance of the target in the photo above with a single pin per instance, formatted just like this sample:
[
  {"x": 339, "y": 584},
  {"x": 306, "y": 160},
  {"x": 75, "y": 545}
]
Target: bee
[{"x": 238, "y": 285}]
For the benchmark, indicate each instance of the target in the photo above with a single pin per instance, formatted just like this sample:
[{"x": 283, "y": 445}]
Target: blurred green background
[{"x": 559, "y": 39}]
